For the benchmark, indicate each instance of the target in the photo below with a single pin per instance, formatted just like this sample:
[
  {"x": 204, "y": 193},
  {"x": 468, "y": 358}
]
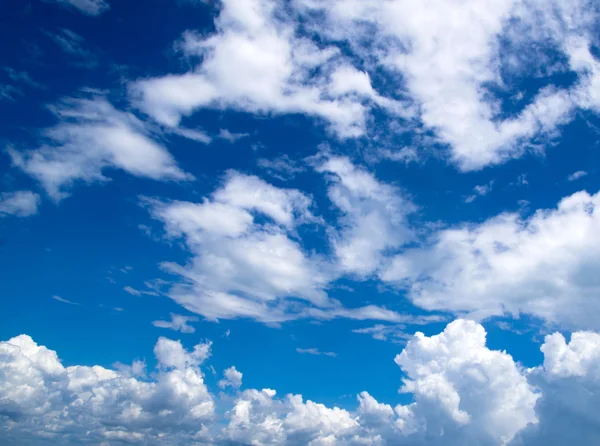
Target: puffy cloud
[
  {"x": 231, "y": 378},
  {"x": 246, "y": 260},
  {"x": 569, "y": 381},
  {"x": 22, "y": 203},
  {"x": 283, "y": 73},
  {"x": 542, "y": 266},
  {"x": 449, "y": 55},
  {"x": 463, "y": 393},
  {"x": 177, "y": 323},
  {"x": 42, "y": 402},
  {"x": 87, "y": 7},
  {"x": 93, "y": 136}
]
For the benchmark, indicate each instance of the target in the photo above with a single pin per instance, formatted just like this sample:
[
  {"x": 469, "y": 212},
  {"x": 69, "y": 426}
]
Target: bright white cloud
[
  {"x": 283, "y": 73},
  {"x": 177, "y": 323},
  {"x": 542, "y": 266},
  {"x": 91, "y": 137},
  {"x": 22, "y": 203},
  {"x": 247, "y": 261},
  {"x": 463, "y": 393},
  {"x": 449, "y": 53},
  {"x": 43, "y": 401}
]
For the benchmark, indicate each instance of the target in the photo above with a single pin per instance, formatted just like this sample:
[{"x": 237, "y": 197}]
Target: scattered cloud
[
  {"x": 577, "y": 175},
  {"x": 231, "y": 137},
  {"x": 64, "y": 301},
  {"x": 283, "y": 73},
  {"x": 282, "y": 167},
  {"x": 86, "y": 7},
  {"x": 231, "y": 378},
  {"x": 480, "y": 191},
  {"x": 177, "y": 323},
  {"x": 21, "y": 203},
  {"x": 543, "y": 266},
  {"x": 22, "y": 77},
  {"x": 381, "y": 332},
  {"x": 316, "y": 352},
  {"x": 136, "y": 292},
  {"x": 91, "y": 137}
]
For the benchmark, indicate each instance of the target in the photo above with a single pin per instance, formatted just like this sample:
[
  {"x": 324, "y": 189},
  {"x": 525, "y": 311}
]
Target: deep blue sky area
[{"x": 305, "y": 184}]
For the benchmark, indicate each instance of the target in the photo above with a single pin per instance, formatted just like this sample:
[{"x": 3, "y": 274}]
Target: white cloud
[
  {"x": 480, "y": 191},
  {"x": 22, "y": 203},
  {"x": 577, "y": 175},
  {"x": 283, "y": 73},
  {"x": 282, "y": 167},
  {"x": 231, "y": 137},
  {"x": 64, "y": 301},
  {"x": 177, "y": 323},
  {"x": 315, "y": 352},
  {"x": 247, "y": 262},
  {"x": 448, "y": 54},
  {"x": 542, "y": 266},
  {"x": 41, "y": 401},
  {"x": 91, "y": 137},
  {"x": 231, "y": 378},
  {"x": 381, "y": 332},
  {"x": 87, "y": 7},
  {"x": 374, "y": 216},
  {"x": 463, "y": 393}
]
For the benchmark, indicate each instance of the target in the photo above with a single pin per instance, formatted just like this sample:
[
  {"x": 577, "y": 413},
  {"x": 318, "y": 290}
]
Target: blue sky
[{"x": 203, "y": 202}]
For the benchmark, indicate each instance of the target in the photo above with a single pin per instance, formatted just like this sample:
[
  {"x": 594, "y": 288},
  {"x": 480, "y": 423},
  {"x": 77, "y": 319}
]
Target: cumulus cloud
[
  {"x": 177, "y": 323},
  {"x": 247, "y": 262},
  {"x": 231, "y": 378},
  {"x": 22, "y": 203},
  {"x": 447, "y": 67},
  {"x": 284, "y": 72},
  {"x": 542, "y": 266},
  {"x": 463, "y": 393},
  {"x": 41, "y": 401},
  {"x": 90, "y": 138}
]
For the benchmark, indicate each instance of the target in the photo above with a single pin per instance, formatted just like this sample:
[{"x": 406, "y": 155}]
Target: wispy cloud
[
  {"x": 316, "y": 352},
  {"x": 577, "y": 175},
  {"x": 64, "y": 301},
  {"x": 177, "y": 323}
]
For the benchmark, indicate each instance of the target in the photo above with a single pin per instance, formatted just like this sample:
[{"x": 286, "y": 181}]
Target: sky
[{"x": 299, "y": 222}]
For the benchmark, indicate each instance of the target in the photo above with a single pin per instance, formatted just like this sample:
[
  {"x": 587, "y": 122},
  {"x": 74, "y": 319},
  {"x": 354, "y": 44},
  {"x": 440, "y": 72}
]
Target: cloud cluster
[
  {"x": 463, "y": 393},
  {"x": 91, "y": 137},
  {"x": 247, "y": 260},
  {"x": 543, "y": 266},
  {"x": 284, "y": 72},
  {"x": 43, "y": 402}
]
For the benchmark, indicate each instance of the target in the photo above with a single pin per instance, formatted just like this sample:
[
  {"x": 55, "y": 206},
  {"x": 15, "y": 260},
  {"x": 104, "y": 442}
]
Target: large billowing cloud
[{"x": 463, "y": 393}]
